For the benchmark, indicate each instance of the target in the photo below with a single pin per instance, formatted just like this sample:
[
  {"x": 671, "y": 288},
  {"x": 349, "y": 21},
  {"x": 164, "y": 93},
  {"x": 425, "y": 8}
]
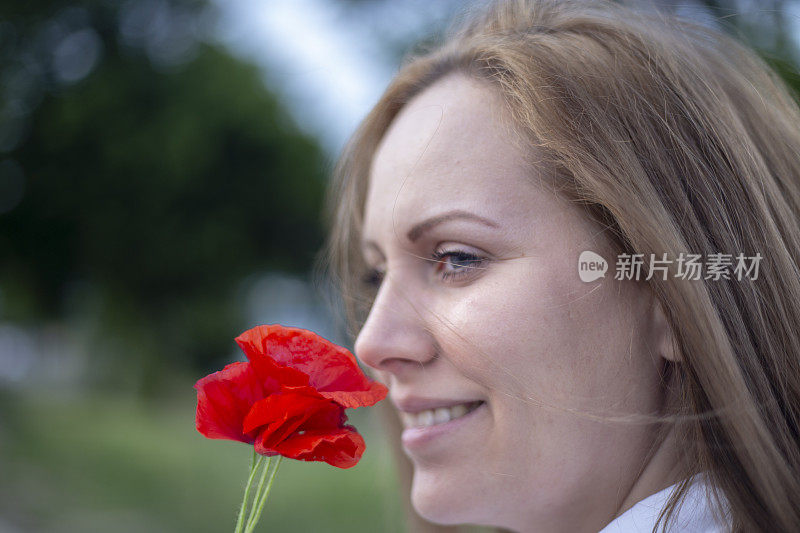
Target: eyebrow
[
  {"x": 418, "y": 229},
  {"x": 426, "y": 225}
]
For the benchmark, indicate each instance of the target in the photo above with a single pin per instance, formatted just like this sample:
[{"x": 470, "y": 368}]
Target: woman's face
[{"x": 480, "y": 304}]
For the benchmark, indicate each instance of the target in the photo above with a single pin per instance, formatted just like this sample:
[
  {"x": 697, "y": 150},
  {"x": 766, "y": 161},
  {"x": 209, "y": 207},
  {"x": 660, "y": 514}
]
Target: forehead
[{"x": 449, "y": 148}]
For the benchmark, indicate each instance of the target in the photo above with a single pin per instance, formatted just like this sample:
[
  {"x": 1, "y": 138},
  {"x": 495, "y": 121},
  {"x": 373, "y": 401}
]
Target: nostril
[
  {"x": 394, "y": 341},
  {"x": 360, "y": 347},
  {"x": 368, "y": 352},
  {"x": 394, "y": 365},
  {"x": 398, "y": 354}
]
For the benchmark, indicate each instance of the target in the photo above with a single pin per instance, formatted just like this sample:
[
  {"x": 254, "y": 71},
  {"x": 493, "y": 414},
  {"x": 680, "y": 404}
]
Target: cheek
[{"x": 533, "y": 328}]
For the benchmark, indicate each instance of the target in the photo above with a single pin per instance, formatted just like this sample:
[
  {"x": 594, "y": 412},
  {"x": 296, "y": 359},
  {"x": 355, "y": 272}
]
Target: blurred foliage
[
  {"x": 144, "y": 173},
  {"x": 100, "y": 463},
  {"x": 767, "y": 27}
]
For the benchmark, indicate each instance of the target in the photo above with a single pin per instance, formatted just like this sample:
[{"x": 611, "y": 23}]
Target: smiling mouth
[{"x": 440, "y": 415}]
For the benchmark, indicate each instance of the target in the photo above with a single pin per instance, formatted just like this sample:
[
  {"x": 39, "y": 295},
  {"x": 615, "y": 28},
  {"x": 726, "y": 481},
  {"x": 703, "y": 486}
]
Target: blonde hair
[{"x": 677, "y": 139}]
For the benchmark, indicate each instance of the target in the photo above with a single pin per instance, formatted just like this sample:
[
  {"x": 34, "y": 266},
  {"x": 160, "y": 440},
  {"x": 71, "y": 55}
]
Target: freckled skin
[{"x": 521, "y": 331}]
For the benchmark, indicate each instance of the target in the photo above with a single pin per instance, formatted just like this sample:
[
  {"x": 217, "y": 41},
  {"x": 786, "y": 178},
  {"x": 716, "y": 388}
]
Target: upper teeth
[{"x": 431, "y": 417}]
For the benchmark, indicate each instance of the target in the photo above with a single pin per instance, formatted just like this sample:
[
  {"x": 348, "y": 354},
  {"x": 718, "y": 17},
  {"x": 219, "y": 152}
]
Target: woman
[{"x": 515, "y": 230}]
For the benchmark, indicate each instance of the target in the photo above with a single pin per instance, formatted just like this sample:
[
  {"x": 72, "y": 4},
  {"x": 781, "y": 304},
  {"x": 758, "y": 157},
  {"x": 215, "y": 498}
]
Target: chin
[{"x": 444, "y": 503}]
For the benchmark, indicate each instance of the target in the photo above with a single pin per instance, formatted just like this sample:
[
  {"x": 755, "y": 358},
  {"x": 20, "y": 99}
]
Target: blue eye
[
  {"x": 463, "y": 263},
  {"x": 451, "y": 265},
  {"x": 372, "y": 278}
]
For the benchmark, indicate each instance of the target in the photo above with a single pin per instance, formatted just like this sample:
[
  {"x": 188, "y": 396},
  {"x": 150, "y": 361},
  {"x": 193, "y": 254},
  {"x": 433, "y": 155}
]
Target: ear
[{"x": 664, "y": 336}]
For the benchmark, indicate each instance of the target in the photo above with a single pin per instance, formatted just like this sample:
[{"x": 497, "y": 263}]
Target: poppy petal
[
  {"x": 293, "y": 409},
  {"x": 331, "y": 368},
  {"x": 352, "y": 399},
  {"x": 273, "y": 374},
  {"x": 342, "y": 447},
  {"x": 223, "y": 400}
]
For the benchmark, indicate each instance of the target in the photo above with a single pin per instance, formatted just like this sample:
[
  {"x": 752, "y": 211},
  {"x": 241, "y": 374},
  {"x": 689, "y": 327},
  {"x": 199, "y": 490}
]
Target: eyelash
[
  {"x": 472, "y": 260},
  {"x": 373, "y": 278}
]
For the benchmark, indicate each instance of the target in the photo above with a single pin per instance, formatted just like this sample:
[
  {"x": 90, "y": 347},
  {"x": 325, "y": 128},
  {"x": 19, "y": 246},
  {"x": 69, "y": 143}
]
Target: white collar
[{"x": 694, "y": 515}]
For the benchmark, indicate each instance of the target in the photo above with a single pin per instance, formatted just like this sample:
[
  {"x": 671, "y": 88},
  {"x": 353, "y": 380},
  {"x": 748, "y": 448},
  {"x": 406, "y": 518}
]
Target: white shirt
[{"x": 694, "y": 515}]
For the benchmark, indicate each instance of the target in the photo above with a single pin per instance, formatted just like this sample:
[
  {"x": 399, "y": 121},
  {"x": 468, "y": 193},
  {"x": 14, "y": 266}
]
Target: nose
[{"x": 394, "y": 338}]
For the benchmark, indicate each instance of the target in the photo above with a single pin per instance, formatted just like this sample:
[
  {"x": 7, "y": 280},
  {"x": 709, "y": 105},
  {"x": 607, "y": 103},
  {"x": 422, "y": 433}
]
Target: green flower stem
[
  {"x": 254, "y": 464},
  {"x": 258, "y": 503},
  {"x": 257, "y": 495}
]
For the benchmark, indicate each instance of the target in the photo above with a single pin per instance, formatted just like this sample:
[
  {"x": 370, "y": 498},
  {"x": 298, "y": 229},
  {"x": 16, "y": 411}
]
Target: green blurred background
[{"x": 162, "y": 170}]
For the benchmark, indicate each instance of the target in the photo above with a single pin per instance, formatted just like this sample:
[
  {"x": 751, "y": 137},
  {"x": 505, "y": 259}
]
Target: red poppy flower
[{"x": 289, "y": 397}]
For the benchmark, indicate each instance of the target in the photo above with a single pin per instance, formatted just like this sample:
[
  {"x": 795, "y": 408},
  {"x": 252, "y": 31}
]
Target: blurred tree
[
  {"x": 144, "y": 172},
  {"x": 767, "y": 27}
]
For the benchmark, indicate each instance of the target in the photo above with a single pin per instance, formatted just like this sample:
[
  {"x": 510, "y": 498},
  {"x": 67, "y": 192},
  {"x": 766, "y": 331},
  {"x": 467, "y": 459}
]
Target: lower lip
[{"x": 417, "y": 438}]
